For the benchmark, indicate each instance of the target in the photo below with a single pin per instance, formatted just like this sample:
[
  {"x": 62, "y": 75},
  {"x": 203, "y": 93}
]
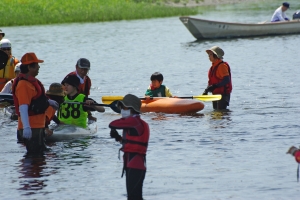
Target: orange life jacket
[{"x": 213, "y": 79}]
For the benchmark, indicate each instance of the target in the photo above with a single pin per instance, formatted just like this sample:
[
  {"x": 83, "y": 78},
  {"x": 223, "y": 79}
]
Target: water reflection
[{"x": 31, "y": 169}]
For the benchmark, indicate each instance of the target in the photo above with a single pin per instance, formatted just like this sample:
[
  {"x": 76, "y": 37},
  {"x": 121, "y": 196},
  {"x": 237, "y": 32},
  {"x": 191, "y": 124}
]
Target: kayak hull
[
  {"x": 70, "y": 132},
  {"x": 172, "y": 106}
]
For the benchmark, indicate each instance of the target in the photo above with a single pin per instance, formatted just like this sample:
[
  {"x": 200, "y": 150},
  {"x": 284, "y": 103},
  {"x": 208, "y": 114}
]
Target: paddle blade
[
  {"x": 110, "y": 99},
  {"x": 216, "y": 97}
]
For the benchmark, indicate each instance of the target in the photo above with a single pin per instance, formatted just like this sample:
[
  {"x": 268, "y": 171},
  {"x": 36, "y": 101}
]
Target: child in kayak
[
  {"x": 156, "y": 89},
  {"x": 134, "y": 142},
  {"x": 75, "y": 110},
  {"x": 57, "y": 94}
]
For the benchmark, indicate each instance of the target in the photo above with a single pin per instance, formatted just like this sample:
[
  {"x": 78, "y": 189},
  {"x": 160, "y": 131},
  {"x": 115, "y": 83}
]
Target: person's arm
[
  {"x": 225, "y": 81},
  {"x": 7, "y": 87},
  {"x": 148, "y": 92},
  {"x": 167, "y": 92},
  {"x": 89, "y": 106}
]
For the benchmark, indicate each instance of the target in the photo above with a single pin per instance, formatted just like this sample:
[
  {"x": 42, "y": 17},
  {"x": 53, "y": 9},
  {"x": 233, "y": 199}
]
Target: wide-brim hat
[
  {"x": 72, "y": 80},
  {"x": 131, "y": 101},
  {"x": 217, "y": 51},
  {"x": 56, "y": 89}
]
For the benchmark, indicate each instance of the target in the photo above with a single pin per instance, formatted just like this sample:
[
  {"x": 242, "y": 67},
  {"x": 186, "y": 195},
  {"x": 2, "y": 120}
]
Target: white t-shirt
[
  {"x": 7, "y": 87},
  {"x": 278, "y": 15}
]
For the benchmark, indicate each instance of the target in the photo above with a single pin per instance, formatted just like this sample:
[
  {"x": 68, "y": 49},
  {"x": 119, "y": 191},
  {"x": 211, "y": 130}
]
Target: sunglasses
[{"x": 5, "y": 49}]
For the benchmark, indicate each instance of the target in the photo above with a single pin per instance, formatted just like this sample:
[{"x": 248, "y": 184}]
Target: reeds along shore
[{"x": 32, "y": 12}]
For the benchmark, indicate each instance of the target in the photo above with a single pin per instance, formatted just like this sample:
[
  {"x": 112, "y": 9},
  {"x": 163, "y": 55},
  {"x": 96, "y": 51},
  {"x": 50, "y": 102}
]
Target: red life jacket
[
  {"x": 137, "y": 143},
  {"x": 297, "y": 156},
  {"x": 86, "y": 86},
  {"x": 213, "y": 79},
  {"x": 39, "y": 101}
]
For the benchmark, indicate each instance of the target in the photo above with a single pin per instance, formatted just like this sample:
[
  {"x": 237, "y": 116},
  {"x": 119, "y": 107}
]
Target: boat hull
[
  {"x": 172, "y": 106},
  {"x": 70, "y": 132},
  {"x": 207, "y": 29}
]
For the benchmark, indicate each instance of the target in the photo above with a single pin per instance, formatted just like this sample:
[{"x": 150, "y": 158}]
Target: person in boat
[
  {"x": 296, "y": 15},
  {"x": 2, "y": 34},
  {"x": 294, "y": 151},
  {"x": 57, "y": 94},
  {"x": 7, "y": 73},
  {"x": 156, "y": 89},
  {"x": 70, "y": 111},
  {"x": 82, "y": 68},
  {"x": 31, "y": 103},
  {"x": 219, "y": 78},
  {"x": 279, "y": 14},
  {"x": 8, "y": 86},
  {"x": 134, "y": 140}
]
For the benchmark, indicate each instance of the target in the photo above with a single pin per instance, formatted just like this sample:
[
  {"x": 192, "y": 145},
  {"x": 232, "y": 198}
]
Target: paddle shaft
[{"x": 112, "y": 105}]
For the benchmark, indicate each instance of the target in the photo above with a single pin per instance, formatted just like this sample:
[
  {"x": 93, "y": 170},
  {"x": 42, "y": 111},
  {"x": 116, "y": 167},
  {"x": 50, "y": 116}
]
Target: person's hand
[
  {"x": 89, "y": 102},
  {"x": 53, "y": 104},
  {"x": 211, "y": 88},
  {"x": 27, "y": 133},
  {"x": 147, "y": 97},
  {"x": 205, "y": 92},
  {"x": 294, "y": 151},
  {"x": 115, "y": 134}
]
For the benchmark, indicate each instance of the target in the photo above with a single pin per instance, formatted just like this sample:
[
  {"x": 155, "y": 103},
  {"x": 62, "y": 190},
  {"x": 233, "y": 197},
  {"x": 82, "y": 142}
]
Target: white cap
[
  {"x": 5, "y": 43},
  {"x": 17, "y": 67}
]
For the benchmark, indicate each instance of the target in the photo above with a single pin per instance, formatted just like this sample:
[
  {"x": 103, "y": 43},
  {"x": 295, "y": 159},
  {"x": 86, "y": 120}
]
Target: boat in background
[
  {"x": 66, "y": 132},
  {"x": 171, "y": 106},
  {"x": 207, "y": 29}
]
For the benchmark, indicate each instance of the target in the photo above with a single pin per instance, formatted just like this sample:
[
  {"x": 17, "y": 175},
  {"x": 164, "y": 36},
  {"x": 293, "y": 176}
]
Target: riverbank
[{"x": 32, "y": 12}]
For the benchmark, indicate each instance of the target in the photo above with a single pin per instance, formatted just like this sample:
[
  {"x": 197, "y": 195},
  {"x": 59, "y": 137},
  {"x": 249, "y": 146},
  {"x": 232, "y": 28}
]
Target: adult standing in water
[
  {"x": 279, "y": 14},
  {"x": 82, "y": 67},
  {"x": 31, "y": 103},
  {"x": 219, "y": 78},
  {"x": 7, "y": 73}
]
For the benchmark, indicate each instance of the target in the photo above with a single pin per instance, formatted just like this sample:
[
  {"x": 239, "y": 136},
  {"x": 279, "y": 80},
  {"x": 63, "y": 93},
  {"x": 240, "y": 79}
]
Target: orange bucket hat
[{"x": 29, "y": 58}]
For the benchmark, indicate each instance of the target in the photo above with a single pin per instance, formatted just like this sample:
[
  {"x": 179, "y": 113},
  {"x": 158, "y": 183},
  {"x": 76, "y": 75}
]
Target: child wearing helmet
[{"x": 134, "y": 140}]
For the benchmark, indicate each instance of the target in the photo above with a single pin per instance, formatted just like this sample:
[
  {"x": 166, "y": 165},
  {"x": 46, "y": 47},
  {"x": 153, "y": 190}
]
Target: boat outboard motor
[{"x": 296, "y": 15}]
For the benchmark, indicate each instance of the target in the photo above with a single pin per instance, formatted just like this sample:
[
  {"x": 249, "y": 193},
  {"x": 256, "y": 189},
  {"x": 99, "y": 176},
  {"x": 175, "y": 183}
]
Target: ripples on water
[{"x": 239, "y": 154}]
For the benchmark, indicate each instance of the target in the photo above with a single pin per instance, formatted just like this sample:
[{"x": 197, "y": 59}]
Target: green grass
[{"x": 33, "y": 12}]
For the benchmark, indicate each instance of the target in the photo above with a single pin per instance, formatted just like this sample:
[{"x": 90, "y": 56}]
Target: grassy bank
[{"x": 33, "y": 12}]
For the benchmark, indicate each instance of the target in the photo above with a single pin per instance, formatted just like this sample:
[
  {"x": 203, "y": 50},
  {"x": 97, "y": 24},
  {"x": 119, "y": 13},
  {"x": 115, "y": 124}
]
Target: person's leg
[
  {"x": 36, "y": 144},
  {"x": 134, "y": 183},
  {"x": 223, "y": 103}
]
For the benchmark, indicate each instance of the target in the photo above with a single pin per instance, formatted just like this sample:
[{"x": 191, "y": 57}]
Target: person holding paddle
[
  {"x": 134, "y": 140},
  {"x": 219, "y": 78},
  {"x": 156, "y": 89},
  {"x": 75, "y": 108},
  {"x": 7, "y": 72},
  {"x": 83, "y": 66}
]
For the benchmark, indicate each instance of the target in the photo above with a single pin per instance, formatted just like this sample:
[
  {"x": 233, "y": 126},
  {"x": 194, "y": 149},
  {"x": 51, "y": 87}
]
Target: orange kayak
[{"x": 172, "y": 105}]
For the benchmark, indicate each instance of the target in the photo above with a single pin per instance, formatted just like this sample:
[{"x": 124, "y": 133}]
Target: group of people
[
  {"x": 68, "y": 103},
  {"x": 280, "y": 16}
]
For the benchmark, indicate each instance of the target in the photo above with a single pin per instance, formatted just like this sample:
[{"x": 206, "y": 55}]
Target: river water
[{"x": 239, "y": 154}]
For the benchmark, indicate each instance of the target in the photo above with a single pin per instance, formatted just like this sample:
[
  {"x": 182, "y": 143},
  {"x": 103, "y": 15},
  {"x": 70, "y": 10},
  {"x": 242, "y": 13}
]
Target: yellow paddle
[{"x": 110, "y": 99}]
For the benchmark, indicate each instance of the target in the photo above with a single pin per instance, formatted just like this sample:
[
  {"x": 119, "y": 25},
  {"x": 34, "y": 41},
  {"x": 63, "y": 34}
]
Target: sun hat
[
  {"x": 2, "y": 33},
  {"x": 56, "y": 89},
  {"x": 286, "y": 4},
  {"x": 5, "y": 43},
  {"x": 29, "y": 58},
  {"x": 17, "y": 67},
  {"x": 83, "y": 63},
  {"x": 217, "y": 51},
  {"x": 72, "y": 80},
  {"x": 131, "y": 101}
]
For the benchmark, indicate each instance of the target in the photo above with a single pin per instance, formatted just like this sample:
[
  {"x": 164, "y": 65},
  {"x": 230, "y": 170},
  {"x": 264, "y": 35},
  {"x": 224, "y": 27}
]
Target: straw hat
[
  {"x": 131, "y": 101},
  {"x": 55, "y": 89},
  {"x": 217, "y": 51}
]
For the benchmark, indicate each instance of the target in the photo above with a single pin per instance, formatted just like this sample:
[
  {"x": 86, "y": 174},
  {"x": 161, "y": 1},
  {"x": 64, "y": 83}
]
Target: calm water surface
[{"x": 239, "y": 154}]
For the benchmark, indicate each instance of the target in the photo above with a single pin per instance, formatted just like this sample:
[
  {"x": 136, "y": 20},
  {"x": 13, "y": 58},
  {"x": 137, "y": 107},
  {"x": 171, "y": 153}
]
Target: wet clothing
[
  {"x": 36, "y": 145},
  {"x": 8, "y": 72},
  {"x": 85, "y": 84},
  {"x": 220, "y": 75},
  {"x": 135, "y": 139},
  {"x": 162, "y": 91},
  {"x": 279, "y": 15}
]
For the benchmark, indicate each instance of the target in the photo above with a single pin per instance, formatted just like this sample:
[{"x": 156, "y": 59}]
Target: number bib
[{"x": 73, "y": 113}]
